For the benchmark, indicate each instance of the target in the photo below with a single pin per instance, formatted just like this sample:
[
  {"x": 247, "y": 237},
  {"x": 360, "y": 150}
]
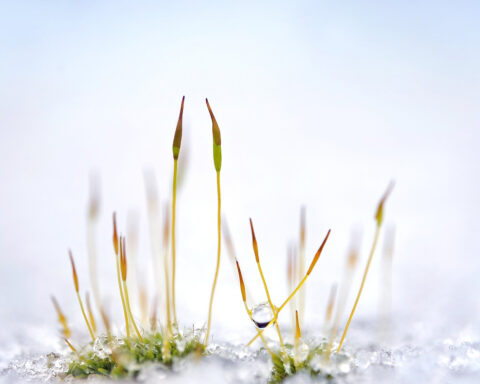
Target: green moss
[
  {"x": 285, "y": 366},
  {"x": 122, "y": 357}
]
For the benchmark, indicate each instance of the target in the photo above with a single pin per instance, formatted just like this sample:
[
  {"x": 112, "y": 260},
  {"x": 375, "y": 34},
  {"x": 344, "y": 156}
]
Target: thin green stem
[
  {"x": 174, "y": 203},
  {"x": 85, "y": 317},
  {"x": 219, "y": 226},
  {"x": 374, "y": 245},
  {"x": 273, "y": 309},
  {"x": 280, "y": 308},
  {"x": 167, "y": 292},
  {"x": 127, "y": 301},
  {"x": 125, "y": 314}
]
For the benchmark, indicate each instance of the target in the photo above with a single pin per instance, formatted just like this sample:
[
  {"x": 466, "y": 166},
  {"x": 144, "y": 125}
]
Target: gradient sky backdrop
[{"x": 320, "y": 104}]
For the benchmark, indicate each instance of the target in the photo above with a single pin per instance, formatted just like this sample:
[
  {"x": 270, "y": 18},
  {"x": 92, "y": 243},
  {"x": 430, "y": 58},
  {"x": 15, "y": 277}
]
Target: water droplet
[{"x": 262, "y": 314}]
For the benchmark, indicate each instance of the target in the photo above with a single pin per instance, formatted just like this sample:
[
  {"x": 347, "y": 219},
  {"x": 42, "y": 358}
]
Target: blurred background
[{"x": 320, "y": 104}]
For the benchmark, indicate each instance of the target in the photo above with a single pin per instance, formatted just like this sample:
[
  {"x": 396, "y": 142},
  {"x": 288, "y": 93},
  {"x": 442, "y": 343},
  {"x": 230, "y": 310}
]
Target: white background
[{"x": 319, "y": 104}]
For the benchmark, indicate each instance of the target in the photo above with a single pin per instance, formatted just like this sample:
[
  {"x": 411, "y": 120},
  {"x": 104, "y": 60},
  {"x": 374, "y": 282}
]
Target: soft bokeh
[{"x": 320, "y": 104}]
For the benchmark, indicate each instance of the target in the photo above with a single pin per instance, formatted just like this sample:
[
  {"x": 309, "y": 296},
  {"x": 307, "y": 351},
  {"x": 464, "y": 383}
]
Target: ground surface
[{"x": 417, "y": 357}]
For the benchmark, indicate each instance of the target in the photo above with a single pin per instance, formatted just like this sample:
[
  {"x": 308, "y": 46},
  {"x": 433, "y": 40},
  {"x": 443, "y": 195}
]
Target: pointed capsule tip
[
  {"x": 319, "y": 252},
  {"x": 123, "y": 258},
  {"x": 55, "y": 304},
  {"x": 217, "y": 140},
  {"x": 254, "y": 242},
  {"x": 181, "y": 107},
  {"x": 177, "y": 138},
  {"x": 251, "y": 229},
  {"x": 298, "y": 333},
  {"x": 379, "y": 211},
  {"x": 214, "y": 122},
  {"x": 209, "y": 109},
  {"x": 115, "y": 234},
  {"x": 242, "y": 284},
  {"x": 74, "y": 271}
]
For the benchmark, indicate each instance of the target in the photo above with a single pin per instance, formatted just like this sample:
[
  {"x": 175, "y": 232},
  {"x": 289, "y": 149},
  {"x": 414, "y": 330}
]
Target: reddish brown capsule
[
  {"x": 123, "y": 258},
  {"x": 217, "y": 141},
  {"x": 74, "y": 271},
  {"x": 115, "y": 236},
  {"x": 254, "y": 242},
  {"x": 177, "y": 138},
  {"x": 242, "y": 285},
  {"x": 317, "y": 255},
  {"x": 215, "y": 128}
]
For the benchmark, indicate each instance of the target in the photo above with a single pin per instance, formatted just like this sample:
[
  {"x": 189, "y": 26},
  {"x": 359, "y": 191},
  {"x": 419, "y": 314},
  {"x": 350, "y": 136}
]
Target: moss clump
[
  {"x": 285, "y": 366},
  {"x": 123, "y": 357}
]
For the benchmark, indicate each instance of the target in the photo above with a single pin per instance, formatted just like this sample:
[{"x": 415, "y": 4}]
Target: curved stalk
[
  {"x": 77, "y": 290},
  {"x": 310, "y": 269},
  {"x": 85, "y": 317},
  {"x": 257, "y": 258}
]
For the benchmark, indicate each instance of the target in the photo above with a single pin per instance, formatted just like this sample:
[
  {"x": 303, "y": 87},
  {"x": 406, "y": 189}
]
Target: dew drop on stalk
[{"x": 262, "y": 314}]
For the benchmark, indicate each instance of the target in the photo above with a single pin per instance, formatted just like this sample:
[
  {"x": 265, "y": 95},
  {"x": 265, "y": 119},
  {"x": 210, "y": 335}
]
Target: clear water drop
[{"x": 262, "y": 314}]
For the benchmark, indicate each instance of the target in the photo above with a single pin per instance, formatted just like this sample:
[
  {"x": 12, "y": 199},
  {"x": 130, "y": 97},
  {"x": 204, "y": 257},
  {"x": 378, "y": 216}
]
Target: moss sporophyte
[{"x": 165, "y": 342}]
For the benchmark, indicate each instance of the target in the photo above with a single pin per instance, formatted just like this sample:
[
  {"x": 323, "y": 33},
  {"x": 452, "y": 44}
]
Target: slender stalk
[
  {"x": 249, "y": 312},
  {"x": 169, "y": 332},
  {"x": 219, "y": 243},
  {"x": 174, "y": 203},
  {"x": 85, "y": 317},
  {"x": 298, "y": 335},
  {"x": 71, "y": 346},
  {"x": 351, "y": 264},
  {"x": 279, "y": 309},
  {"x": 127, "y": 301},
  {"x": 310, "y": 269},
  {"x": 116, "y": 245},
  {"x": 90, "y": 313},
  {"x": 364, "y": 278},
  {"x": 379, "y": 219},
  {"x": 123, "y": 256},
  {"x": 257, "y": 258},
  {"x": 122, "y": 296},
  {"x": 62, "y": 319},
  {"x": 217, "y": 161},
  {"x": 177, "y": 141},
  {"x": 75, "y": 281}
]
